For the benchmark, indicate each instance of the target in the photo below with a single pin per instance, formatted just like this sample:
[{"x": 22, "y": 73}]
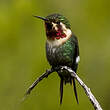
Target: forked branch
[{"x": 87, "y": 90}]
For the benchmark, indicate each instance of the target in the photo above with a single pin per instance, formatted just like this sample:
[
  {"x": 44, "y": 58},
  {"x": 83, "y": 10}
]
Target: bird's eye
[
  {"x": 58, "y": 22},
  {"x": 49, "y": 26}
]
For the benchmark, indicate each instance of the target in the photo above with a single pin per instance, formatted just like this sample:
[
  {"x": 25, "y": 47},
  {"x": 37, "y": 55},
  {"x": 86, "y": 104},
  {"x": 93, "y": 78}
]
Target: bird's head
[{"x": 57, "y": 26}]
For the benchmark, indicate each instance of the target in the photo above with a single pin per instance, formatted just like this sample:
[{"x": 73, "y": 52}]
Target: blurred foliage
[{"x": 22, "y": 53}]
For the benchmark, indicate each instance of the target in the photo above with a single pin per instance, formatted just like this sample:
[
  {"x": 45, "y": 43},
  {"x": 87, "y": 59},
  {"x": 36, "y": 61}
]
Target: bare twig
[
  {"x": 87, "y": 90},
  {"x": 45, "y": 75}
]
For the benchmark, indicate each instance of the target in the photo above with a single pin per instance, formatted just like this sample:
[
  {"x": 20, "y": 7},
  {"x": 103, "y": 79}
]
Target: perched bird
[{"x": 61, "y": 48}]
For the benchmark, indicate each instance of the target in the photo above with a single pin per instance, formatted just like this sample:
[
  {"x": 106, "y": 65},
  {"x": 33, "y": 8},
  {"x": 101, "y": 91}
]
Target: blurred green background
[{"x": 22, "y": 53}]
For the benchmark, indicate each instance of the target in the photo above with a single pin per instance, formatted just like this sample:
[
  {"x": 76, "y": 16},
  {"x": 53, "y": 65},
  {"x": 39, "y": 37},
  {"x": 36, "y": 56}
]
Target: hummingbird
[{"x": 61, "y": 48}]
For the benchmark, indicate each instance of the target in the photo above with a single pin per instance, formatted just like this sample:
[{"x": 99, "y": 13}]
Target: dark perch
[
  {"x": 87, "y": 90},
  {"x": 45, "y": 75}
]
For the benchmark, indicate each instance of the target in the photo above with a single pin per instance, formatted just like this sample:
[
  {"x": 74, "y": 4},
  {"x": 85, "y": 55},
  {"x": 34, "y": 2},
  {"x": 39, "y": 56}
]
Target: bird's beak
[{"x": 43, "y": 18}]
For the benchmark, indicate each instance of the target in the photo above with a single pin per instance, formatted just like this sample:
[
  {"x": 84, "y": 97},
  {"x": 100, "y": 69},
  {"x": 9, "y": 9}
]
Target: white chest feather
[{"x": 58, "y": 42}]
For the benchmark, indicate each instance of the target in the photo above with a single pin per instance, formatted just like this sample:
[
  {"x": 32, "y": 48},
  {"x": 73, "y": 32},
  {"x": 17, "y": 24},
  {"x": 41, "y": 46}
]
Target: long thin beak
[{"x": 40, "y": 18}]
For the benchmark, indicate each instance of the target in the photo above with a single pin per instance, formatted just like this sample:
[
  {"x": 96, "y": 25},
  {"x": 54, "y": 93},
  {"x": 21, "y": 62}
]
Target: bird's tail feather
[
  {"x": 61, "y": 90},
  {"x": 75, "y": 91}
]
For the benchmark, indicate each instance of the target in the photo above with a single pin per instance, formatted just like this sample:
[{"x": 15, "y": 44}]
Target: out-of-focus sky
[{"x": 23, "y": 59}]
